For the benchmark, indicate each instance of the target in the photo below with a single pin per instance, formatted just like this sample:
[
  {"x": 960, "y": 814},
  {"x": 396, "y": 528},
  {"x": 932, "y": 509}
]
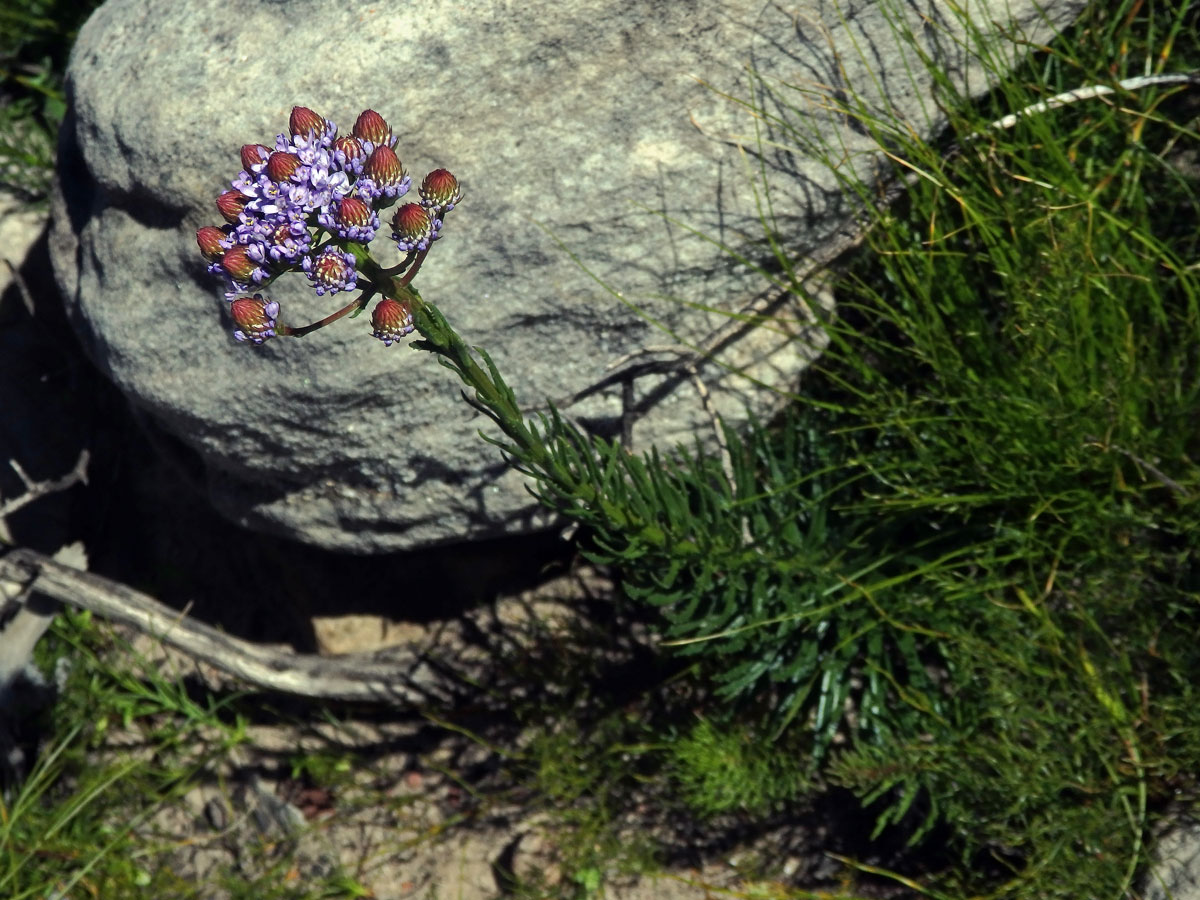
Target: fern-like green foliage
[
  {"x": 782, "y": 597},
  {"x": 727, "y": 767},
  {"x": 788, "y": 602}
]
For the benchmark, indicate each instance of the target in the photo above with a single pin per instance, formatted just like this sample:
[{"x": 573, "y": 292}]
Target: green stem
[
  {"x": 494, "y": 398},
  {"x": 497, "y": 400}
]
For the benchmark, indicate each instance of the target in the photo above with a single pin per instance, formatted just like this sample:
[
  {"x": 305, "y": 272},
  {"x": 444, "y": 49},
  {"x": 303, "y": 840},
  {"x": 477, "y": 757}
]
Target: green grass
[
  {"x": 972, "y": 587},
  {"x": 122, "y": 746},
  {"x": 35, "y": 39},
  {"x": 1012, "y": 390},
  {"x": 73, "y": 824},
  {"x": 973, "y": 590}
]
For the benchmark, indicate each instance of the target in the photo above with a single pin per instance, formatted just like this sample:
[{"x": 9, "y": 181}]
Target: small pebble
[{"x": 216, "y": 813}]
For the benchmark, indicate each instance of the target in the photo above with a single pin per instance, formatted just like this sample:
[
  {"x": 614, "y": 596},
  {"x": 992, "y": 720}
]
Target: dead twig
[
  {"x": 1169, "y": 483},
  {"x": 1091, "y": 92},
  {"x": 408, "y": 678},
  {"x": 37, "y": 489}
]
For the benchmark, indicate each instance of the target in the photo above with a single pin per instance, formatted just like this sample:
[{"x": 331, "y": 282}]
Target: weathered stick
[
  {"x": 409, "y": 678},
  {"x": 36, "y": 489}
]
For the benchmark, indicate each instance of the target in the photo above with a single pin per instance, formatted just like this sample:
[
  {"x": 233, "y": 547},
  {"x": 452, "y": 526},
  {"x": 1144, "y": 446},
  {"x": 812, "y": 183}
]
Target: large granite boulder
[{"x": 590, "y": 138}]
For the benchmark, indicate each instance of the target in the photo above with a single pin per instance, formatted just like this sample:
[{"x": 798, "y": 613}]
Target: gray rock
[
  {"x": 1174, "y": 873},
  {"x": 592, "y": 123}
]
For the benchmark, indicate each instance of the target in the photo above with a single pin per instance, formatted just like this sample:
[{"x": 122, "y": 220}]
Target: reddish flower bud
[
  {"x": 350, "y": 146},
  {"x": 412, "y": 227},
  {"x": 383, "y": 166},
  {"x": 370, "y": 126},
  {"x": 230, "y": 205},
  {"x": 392, "y": 320},
  {"x": 281, "y": 232},
  {"x": 209, "y": 238},
  {"x": 254, "y": 318},
  {"x": 253, "y": 155},
  {"x": 353, "y": 211},
  {"x": 440, "y": 190},
  {"x": 303, "y": 120},
  {"x": 280, "y": 165},
  {"x": 332, "y": 270},
  {"x": 239, "y": 266}
]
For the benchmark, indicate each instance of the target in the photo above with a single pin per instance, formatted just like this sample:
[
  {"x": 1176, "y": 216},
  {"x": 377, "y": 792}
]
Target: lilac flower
[
  {"x": 255, "y": 318},
  {"x": 392, "y": 320},
  {"x": 326, "y": 184},
  {"x": 413, "y": 228},
  {"x": 246, "y": 183},
  {"x": 331, "y": 271},
  {"x": 311, "y": 181},
  {"x": 260, "y": 195},
  {"x": 279, "y": 239}
]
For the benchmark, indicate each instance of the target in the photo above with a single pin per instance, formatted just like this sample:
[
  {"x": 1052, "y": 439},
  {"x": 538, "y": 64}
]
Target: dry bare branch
[
  {"x": 1090, "y": 93},
  {"x": 37, "y": 489},
  {"x": 408, "y": 677}
]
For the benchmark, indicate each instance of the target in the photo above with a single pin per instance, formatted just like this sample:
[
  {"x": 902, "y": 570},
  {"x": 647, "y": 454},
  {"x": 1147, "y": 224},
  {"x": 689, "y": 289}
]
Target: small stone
[{"x": 216, "y": 814}]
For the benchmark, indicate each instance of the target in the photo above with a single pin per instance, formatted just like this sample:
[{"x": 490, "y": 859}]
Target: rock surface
[
  {"x": 1174, "y": 873},
  {"x": 588, "y": 141}
]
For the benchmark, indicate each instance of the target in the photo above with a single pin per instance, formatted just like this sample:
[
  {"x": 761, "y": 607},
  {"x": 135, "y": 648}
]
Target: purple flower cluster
[
  {"x": 303, "y": 204},
  {"x": 312, "y": 179},
  {"x": 330, "y": 271},
  {"x": 254, "y": 318}
]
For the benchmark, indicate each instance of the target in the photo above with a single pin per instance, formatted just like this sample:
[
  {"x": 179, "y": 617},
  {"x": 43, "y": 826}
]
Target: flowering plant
[
  {"x": 313, "y": 205},
  {"x": 741, "y": 554}
]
